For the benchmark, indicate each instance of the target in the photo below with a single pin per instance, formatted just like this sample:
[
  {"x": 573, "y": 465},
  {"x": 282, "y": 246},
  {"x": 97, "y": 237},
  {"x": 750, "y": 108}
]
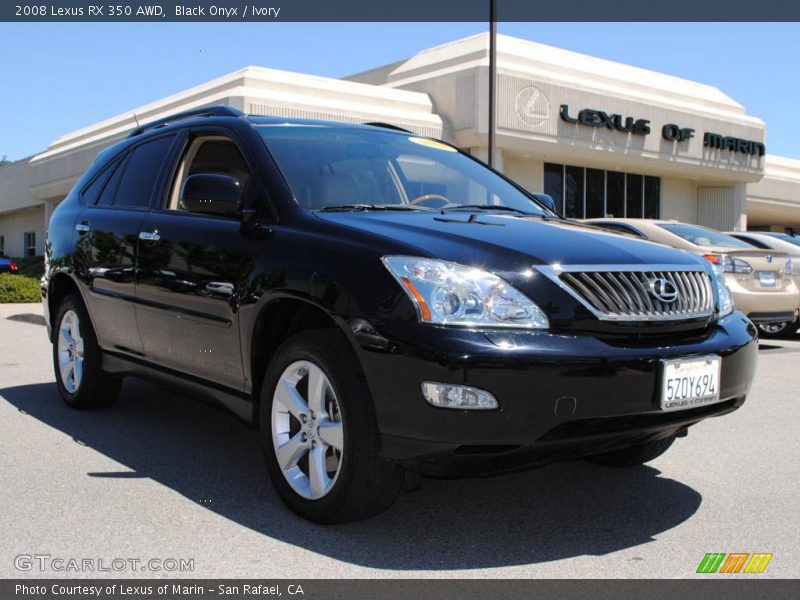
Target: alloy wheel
[
  {"x": 774, "y": 328},
  {"x": 307, "y": 431},
  {"x": 70, "y": 352}
]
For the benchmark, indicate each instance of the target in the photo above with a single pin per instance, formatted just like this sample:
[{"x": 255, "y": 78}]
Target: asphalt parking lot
[{"x": 160, "y": 476}]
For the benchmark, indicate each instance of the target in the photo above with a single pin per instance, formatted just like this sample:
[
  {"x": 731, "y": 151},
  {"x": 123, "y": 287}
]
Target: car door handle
[
  {"x": 82, "y": 227},
  {"x": 149, "y": 236}
]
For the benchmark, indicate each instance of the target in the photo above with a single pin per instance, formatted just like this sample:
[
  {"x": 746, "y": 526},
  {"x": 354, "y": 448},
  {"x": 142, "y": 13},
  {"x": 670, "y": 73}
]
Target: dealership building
[{"x": 602, "y": 138}]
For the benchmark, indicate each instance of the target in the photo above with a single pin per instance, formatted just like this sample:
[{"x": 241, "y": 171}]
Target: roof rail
[
  {"x": 388, "y": 126},
  {"x": 208, "y": 111}
]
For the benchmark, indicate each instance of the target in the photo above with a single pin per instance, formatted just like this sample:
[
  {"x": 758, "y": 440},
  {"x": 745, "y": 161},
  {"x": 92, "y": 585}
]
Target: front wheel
[
  {"x": 319, "y": 435},
  {"x": 633, "y": 456},
  {"x": 77, "y": 359},
  {"x": 778, "y": 331}
]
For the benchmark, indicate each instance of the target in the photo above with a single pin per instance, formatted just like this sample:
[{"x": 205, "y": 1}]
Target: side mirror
[
  {"x": 211, "y": 194},
  {"x": 547, "y": 200}
]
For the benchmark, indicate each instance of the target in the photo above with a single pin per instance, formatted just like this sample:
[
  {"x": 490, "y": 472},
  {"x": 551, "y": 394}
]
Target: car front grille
[{"x": 642, "y": 295}]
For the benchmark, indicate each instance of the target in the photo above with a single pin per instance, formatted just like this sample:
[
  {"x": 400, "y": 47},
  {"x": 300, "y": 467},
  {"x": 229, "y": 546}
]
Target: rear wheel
[
  {"x": 634, "y": 455},
  {"x": 77, "y": 358},
  {"x": 777, "y": 331},
  {"x": 318, "y": 432}
]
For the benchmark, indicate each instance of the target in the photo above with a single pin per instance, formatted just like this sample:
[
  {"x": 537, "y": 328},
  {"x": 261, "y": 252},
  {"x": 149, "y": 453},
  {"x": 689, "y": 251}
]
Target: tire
[
  {"x": 357, "y": 482},
  {"x": 778, "y": 331},
  {"x": 633, "y": 456},
  {"x": 77, "y": 359}
]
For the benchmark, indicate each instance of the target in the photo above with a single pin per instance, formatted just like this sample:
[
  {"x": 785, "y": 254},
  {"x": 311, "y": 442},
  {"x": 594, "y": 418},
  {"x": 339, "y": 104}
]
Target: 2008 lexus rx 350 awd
[{"x": 378, "y": 303}]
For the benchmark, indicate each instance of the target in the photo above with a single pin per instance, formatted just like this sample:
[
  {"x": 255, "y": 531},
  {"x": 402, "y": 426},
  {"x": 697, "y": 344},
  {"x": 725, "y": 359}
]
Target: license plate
[
  {"x": 767, "y": 279},
  {"x": 689, "y": 382}
]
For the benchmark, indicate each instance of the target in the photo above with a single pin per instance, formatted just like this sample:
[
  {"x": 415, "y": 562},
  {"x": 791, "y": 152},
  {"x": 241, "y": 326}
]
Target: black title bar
[
  {"x": 394, "y": 589},
  {"x": 407, "y": 10}
]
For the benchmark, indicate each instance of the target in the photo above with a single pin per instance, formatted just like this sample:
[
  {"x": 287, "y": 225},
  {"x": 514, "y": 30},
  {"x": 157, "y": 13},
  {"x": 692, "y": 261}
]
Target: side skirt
[{"x": 238, "y": 403}]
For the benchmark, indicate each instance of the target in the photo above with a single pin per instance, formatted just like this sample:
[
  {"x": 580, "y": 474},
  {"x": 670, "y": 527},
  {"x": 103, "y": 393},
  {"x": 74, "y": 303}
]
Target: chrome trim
[{"x": 621, "y": 292}]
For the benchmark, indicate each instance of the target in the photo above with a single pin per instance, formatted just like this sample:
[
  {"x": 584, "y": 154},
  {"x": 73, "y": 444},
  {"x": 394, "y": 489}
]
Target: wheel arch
[
  {"x": 277, "y": 320},
  {"x": 59, "y": 287}
]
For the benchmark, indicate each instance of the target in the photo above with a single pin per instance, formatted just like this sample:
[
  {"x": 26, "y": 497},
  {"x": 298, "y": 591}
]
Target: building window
[
  {"x": 583, "y": 193},
  {"x": 652, "y": 197},
  {"x": 29, "y": 245},
  {"x": 2, "y": 245},
  {"x": 595, "y": 193},
  {"x": 554, "y": 184},
  {"x": 634, "y": 196},
  {"x": 615, "y": 194},
  {"x": 573, "y": 190}
]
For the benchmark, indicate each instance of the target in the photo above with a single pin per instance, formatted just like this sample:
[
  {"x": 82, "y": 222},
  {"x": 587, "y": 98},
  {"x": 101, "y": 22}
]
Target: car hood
[{"x": 506, "y": 240}]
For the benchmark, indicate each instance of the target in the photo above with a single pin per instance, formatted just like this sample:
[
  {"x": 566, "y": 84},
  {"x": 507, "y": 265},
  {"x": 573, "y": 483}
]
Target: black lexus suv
[{"x": 379, "y": 305}]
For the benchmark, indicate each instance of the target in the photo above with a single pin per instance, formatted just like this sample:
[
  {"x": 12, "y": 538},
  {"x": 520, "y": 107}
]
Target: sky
[{"x": 56, "y": 78}]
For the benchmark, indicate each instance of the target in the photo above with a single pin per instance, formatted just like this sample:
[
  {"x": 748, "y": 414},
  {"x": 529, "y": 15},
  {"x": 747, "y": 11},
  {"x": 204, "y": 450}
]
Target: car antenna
[{"x": 135, "y": 118}]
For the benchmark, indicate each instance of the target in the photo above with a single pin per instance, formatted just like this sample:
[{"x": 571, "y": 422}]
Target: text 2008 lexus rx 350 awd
[{"x": 378, "y": 303}]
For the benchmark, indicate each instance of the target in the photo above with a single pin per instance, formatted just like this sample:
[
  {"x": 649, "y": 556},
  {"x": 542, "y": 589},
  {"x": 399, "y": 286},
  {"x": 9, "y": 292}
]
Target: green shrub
[
  {"x": 31, "y": 266},
  {"x": 19, "y": 288}
]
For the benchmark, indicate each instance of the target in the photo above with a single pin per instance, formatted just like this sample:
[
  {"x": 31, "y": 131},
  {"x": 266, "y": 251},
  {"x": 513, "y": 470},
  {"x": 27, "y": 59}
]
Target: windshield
[
  {"x": 702, "y": 236},
  {"x": 336, "y": 167},
  {"x": 785, "y": 237}
]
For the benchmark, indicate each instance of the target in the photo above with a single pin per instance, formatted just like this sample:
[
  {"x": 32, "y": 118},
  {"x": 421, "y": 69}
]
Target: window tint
[
  {"x": 573, "y": 192},
  {"x": 107, "y": 195},
  {"x": 222, "y": 157},
  {"x": 141, "y": 172},
  {"x": 585, "y": 192},
  {"x": 702, "y": 236},
  {"x": 30, "y": 243},
  {"x": 554, "y": 184},
  {"x": 333, "y": 166},
  {"x": 209, "y": 154},
  {"x": 615, "y": 194},
  {"x": 652, "y": 197},
  {"x": 792, "y": 239},
  {"x": 595, "y": 193},
  {"x": 633, "y": 196},
  {"x": 91, "y": 193},
  {"x": 753, "y": 242}
]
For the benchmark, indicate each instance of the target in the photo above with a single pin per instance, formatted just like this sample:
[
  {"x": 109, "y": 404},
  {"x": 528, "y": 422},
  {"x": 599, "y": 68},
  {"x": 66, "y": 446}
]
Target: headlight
[
  {"x": 447, "y": 293},
  {"x": 788, "y": 270},
  {"x": 724, "y": 296}
]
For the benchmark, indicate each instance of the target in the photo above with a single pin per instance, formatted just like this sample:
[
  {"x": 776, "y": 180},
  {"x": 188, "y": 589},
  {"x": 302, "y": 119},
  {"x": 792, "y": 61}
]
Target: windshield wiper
[
  {"x": 347, "y": 207},
  {"x": 469, "y": 207}
]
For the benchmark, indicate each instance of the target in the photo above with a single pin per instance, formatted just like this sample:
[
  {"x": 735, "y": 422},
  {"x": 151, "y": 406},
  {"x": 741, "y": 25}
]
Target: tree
[{"x": 4, "y": 161}]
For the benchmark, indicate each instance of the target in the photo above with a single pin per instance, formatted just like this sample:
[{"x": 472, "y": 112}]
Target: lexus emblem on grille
[
  {"x": 769, "y": 258},
  {"x": 664, "y": 290}
]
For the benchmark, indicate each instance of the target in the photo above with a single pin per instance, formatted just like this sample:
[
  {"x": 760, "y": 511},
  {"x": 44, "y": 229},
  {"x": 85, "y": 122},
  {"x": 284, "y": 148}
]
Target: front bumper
[{"x": 560, "y": 395}]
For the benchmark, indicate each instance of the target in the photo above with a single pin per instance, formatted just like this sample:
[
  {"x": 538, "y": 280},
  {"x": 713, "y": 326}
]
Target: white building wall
[
  {"x": 722, "y": 207},
  {"x": 14, "y": 225},
  {"x": 678, "y": 199},
  {"x": 526, "y": 171},
  {"x": 774, "y": 202}
]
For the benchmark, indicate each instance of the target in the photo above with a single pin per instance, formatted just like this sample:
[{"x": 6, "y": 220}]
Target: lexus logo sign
[
  {"x": 664, "y": 290},
  {"x": 532, "y": 105}
]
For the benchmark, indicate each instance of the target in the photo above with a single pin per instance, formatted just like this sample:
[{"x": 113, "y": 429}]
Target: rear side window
[
  {"x": 106, "y": 197},
  {"x": 703, "y": 236},
  {"x": 141, "y": 172},
  {"x": 91, "y": 193},
  {"x": 753, "y": 242}
]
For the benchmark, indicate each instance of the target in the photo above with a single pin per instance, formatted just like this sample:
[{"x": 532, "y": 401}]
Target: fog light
[{"x": 447, "y": 395}]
